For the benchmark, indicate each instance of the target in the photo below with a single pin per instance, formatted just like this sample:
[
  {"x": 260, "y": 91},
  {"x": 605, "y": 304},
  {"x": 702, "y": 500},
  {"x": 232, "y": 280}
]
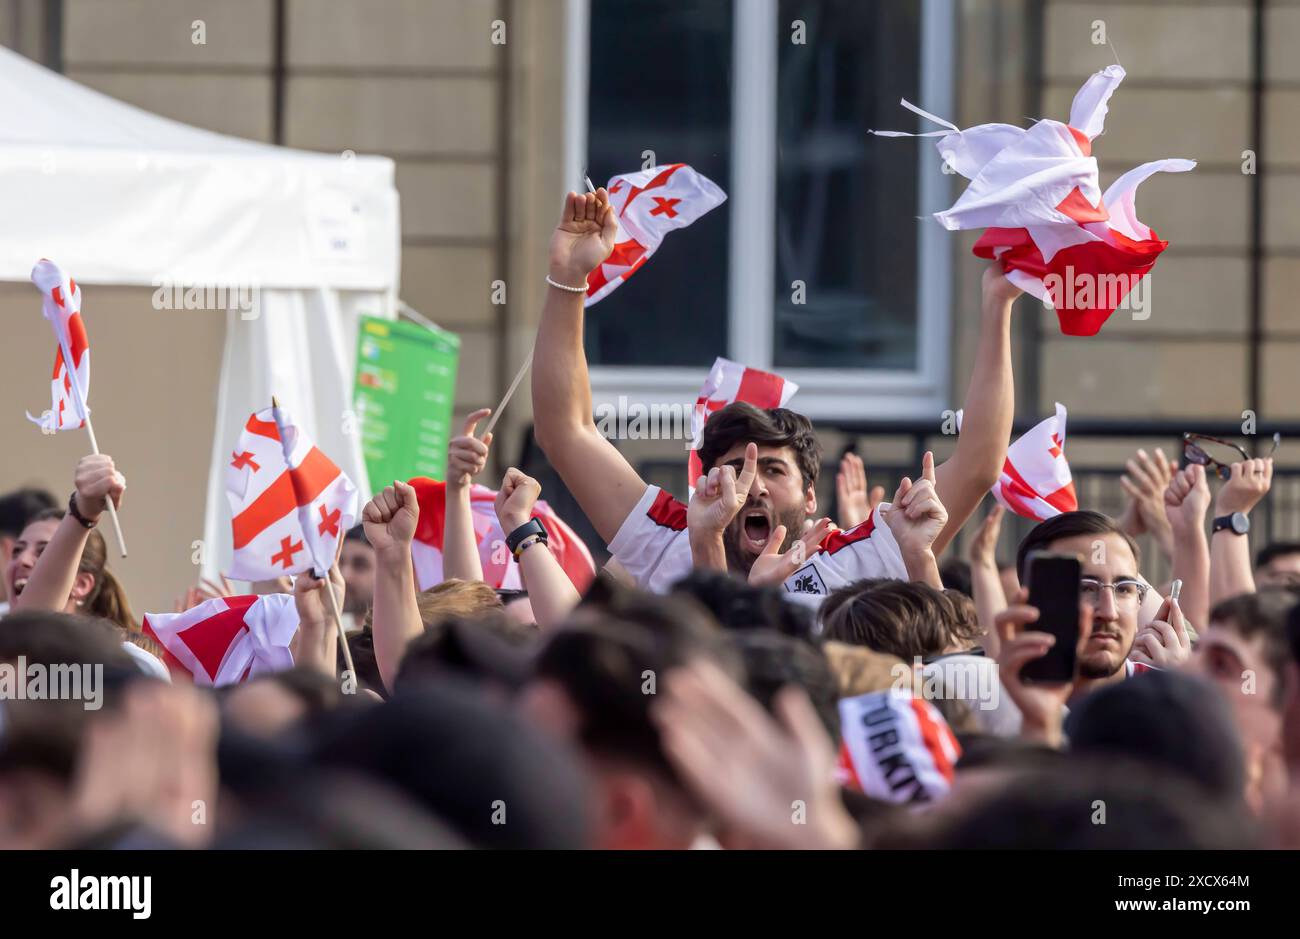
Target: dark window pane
[
  {"x": 847, "y": 201},
  {"x": 661, "y": 81}
]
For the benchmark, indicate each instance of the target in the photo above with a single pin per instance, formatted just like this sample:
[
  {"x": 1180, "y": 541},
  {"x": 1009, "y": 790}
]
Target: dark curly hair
[{"x": 740, "y": 422}]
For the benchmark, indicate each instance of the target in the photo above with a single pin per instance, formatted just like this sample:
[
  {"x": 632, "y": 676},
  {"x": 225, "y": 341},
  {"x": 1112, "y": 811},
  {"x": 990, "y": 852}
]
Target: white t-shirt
[{"x": 654, "y": 547}]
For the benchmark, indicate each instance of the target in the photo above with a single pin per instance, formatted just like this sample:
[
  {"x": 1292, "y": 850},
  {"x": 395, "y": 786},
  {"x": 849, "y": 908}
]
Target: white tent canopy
[{"x": 116, "y": 195}]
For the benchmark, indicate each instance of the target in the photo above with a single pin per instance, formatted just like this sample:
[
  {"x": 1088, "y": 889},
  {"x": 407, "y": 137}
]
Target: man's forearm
[
  {"x": 707, "y": 551},
  {"x": 550, "y": 592},
  {"x": 990, "y": 600},
  {"x": 1191, "y": 565},
  {"x": 966, "y": 477},
  {"x": 921, "y": 566},
  {"x": 396, "y": 617},
  {"x": 1230, "y": 571},
  {"x": 460, "y": 558}
]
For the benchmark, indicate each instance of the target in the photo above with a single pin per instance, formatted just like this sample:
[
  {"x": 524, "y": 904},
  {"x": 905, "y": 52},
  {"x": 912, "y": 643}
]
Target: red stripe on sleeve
[
  {"x": 668, "y": 512},
  {"x": 842, "y": 539}
]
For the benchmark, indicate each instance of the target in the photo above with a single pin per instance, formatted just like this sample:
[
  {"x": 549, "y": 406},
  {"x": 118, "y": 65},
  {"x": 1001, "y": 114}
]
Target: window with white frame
[{"x": 819, "y": 266}]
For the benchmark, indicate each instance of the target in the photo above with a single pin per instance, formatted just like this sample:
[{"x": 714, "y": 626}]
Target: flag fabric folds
[
  {"x": 649, "y": 204},
  {"x": 896, "y": 747},
  {"x": 70, "y": 383},
  {"x": 1035, "y": 481},
  {"x": 500, "y": 570},
  {"x": 226, "y": 639},
  {"x": 726, "y": 383},
  {"x": 1037, "y": 194},
  {"x": 289, "y": 504}
]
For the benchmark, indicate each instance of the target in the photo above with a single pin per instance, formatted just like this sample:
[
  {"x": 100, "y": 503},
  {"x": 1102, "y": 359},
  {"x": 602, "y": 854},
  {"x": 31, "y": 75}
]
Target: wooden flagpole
[{"x": 112, "y": 509}]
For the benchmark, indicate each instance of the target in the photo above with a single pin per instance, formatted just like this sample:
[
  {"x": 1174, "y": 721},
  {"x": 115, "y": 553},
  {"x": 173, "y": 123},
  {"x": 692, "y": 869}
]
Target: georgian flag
[
  {"x": 69, "y": 387},
  {"x": 727, "y": 382},
  {"x": 649, "y": 204},
  {"x": 1035, "y": 481},
  {"x": 289, "y": 504},
  {"x": 1037, "y": 193},
  {"x": 226, "y": 639},
  {"x": 500, "y": 569},
  {"x": 896, "y": 747}
]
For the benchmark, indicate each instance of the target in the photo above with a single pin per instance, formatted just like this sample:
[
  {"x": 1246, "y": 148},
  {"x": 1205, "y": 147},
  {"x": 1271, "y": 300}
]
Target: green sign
[{"x": 405, "y": 387}]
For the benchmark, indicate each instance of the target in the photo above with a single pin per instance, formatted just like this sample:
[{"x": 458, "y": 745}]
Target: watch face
[{"x": 1240, "y": 523}]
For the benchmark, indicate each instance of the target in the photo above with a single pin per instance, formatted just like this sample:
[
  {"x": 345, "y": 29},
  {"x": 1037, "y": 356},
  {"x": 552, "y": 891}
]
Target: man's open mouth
[{"x": 755, "y": 529}]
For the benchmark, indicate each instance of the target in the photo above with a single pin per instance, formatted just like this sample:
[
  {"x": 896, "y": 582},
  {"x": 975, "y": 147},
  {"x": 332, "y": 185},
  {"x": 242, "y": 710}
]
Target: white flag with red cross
[
  {"x": 500, "y": 569},
  {"x": 70, "y": 383},
  {"x": 226, "y": 639},
  {"x": 1036, "y": 481},
  {"x": 289, "y": 504},
  {"x": 649, "y": 204},
  {"x": 726, "y": 383}
]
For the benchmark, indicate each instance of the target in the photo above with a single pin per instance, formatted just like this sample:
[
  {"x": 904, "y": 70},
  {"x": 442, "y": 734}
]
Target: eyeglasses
[
  {"x": 1216, "y": 454},
  {"x": 1127, "y": 592}
]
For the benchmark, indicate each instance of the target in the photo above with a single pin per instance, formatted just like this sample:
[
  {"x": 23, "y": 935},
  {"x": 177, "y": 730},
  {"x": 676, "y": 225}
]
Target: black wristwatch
[
  {"x": 76, "y": 513},
  {"x": 516, "y": 537},
  {"x": 1238, "y": 523}
]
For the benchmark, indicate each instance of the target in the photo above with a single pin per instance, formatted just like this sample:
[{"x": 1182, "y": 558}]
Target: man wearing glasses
[{"x": 1112, "y": 585}]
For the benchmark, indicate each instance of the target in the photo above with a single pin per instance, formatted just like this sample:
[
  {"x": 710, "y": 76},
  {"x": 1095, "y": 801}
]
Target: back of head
[
  {"x": 902, "y": 618},
  {"x": 1089, "y": 804},
  {"x": 469, "y": 761},
  {"x": 490, "y": 647},
  {"x": 1175, "y": 721},
  {"x": 738, "y": 605},
  {"x": 773, "y": 661},
  {"x": 1069, "y": 525},
  {"x": 456, "y": 598},
  {"x": 740, "y": 423}
]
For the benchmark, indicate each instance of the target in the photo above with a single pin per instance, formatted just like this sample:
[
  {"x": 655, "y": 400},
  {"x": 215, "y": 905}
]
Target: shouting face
[{"x": 777, "y": 497}]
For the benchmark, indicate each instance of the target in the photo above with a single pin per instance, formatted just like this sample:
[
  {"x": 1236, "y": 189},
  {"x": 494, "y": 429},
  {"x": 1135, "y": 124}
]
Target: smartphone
[{"x": 1054, "y": 590}]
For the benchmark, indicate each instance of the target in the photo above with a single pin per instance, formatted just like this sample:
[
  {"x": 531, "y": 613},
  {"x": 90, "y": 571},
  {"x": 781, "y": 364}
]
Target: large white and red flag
[
  {"x": 500, "y": 570},
  {"x": 226, "y": 639},
  {"x": 1037, "y": 193},
  {"x": 649, "y": 204},
  {"x": 70, "y": 383},
  {"x": 289, "y": 504},
  {"x": 726, "y": 383}
]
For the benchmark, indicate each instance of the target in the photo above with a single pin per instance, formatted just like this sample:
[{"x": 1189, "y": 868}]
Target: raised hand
[
  {"x": 721, "y": 494},
  {"x": 1187, "y": 499},
  {"x": 773, "y": 566},
  {"x": 1249, "y": 482},
  {"x": 390, "y": 518},
  {"x": 583, "y": 238},
  {"x": 995, "y": 285},
  {"x": 855, "y": 501},
  {"x": 97, "y": 481},
  {"x": 515, "y": 499},
  {"x": 1041, "y": 705},
  {"x": 983, "y": 547},
  {"x": 1163, "y": 642},
  {"x": 466, "y": 454},
  {"x": 1145, "y": 483},
  {"x": 916, "y": 516},
  {"x": 309, "y": 597}
]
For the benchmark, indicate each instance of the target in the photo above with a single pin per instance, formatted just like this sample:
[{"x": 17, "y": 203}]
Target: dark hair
[
  {"x": 490, "y": 646},
  {"x": 1261, "y": 614},
  {"x": 19, "y": 507},
  {"x": 773, "y": 661},
  {"x": 357, "y": 533},
  {"x": 1056, "y": 809},
  {"x": 107, "y": 598},
  {"x": 740, "y": 422},
  {"x": 955, "y": 575},
  {"x": 1068, "y": 525},
  {"x": 908, "y": 619},
  {"x": 1174, "y": 720},
  {"x": 362, "y": 646},
  {"x": 738, "y": 605},
  {"x": 1275, "y": 549},
  {"x": 604, "y": 657}
]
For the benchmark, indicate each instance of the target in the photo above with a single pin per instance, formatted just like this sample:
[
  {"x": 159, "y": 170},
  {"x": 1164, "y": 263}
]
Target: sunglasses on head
[{"x": 1198, "y": 448}]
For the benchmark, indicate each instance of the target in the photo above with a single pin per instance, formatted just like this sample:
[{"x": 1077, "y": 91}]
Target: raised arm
[
  {"x": 916, "y": 517},
  {"x": 972, "y": 470},
  {"x": 55, "y": 575},
  {"x": 1230, "y": 569},
  {"x": 390, "y": 519},
  {"x": 466, "y": 457},
  {"x": 1187, "y": 499},
  {"x": 604, "y": 483},
  {"x": 315, "y": 644},
  {"x": 550, "y": 592},
  {"x": 985, "y": 582}
]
